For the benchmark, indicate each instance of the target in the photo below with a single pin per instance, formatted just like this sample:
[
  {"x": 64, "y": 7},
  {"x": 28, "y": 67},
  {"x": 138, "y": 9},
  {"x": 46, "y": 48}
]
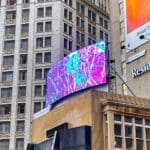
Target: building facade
[
  {"x": 117, "y": 122},
  {"x": 34, "y": 34},
  {"x": 132, "y": 60}
]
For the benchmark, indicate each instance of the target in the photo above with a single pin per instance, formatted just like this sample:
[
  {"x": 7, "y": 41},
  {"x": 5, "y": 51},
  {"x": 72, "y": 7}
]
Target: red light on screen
[{"x": 138, "y": 13}]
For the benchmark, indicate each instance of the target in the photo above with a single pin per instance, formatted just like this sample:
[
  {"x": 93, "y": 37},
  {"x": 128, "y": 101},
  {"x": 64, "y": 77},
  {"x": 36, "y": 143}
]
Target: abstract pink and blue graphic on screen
[{"x": 81, "y": 69}]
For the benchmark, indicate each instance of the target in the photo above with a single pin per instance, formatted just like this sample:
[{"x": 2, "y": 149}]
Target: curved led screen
[{"x": 80, "y": 70}]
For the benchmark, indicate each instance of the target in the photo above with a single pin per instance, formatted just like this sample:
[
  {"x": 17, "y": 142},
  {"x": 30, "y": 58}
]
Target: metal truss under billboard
[
  {"x": 81, "y": 69},
  {"x": 137, "y": 19}
]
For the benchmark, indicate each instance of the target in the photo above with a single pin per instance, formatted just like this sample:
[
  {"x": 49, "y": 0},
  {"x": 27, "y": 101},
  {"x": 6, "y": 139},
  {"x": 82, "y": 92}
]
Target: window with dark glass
[
  {"x": 23, "y": 59},
  {"x": 40, "y": 12},
  {"x": 38, "y": 90},
  {"x": 7, "y": 76},
  {"x": 20, "y": 125},
  {"x": 48, "y": 11},
  {"x": 47, "y": 57},
  {"x": 22, "y": 91},
  {"x": 39, "y": 27},
  {"x": 6, "y": 92},
  {"x": 37, "y": 106},
  {"x": 38, "y": 58},
  {"x": 22, "y": 75},
  {"x": 38, "y": 74},
  {"x": 21, "y": 108}
]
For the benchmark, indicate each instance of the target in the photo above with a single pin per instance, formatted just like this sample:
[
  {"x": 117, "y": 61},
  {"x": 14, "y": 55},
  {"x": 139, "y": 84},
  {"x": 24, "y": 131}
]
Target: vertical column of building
[
  {"x": 5, "y": 99},
  {"x": 31, "y": 30},
  {"x": 15, "y": 91}
]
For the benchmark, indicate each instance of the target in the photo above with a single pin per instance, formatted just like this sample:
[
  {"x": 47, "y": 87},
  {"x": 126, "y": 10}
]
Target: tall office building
[
  {"x": 34, "y": 34},
  {"x": 130, "y": 44}
]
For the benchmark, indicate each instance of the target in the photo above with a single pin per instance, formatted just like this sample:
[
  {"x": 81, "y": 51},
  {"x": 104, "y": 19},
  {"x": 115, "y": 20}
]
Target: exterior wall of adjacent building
[
  {"x": 24, "y": 64},
  {"x": 140, "y": 84},
  {"x": 108, "y": 114}
]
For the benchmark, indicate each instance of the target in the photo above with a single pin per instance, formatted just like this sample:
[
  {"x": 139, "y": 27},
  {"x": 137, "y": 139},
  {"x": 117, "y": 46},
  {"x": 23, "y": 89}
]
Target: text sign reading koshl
[
  {"x": 81, "y": 69},
  {"x": 137, "y": 22}
]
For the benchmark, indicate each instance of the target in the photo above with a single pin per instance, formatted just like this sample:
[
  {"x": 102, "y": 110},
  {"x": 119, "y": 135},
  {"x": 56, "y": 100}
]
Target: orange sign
[{"x": 137, "y": 13}]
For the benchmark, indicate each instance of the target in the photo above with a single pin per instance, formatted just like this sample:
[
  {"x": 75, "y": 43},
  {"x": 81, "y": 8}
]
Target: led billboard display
[
  {"x": 137, "y": 22},
  {"x": 81, "y": 69}
]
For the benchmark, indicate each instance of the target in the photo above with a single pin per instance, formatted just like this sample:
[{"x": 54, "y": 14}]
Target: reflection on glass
[
  {"x": 139, "y": 145},
  {"x": 118, "y": 142},
  {"x": 117, "y": 117},
  {"x": 128, "y": 119},
  {"x": 148, "y": 145},
  {"x": 128, "y": 143},
  {"x": 117, "y": 129},
  {"x": 138, "y": 121},
  {"x": 148, "y": 133},
  {"x": 128, "y": 131},
  {"x": 147, "y": 122},
  {"x": 138, "y": 132}
]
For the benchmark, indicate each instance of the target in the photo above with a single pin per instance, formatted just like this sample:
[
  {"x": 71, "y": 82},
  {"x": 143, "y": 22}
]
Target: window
[
  {"x": 101, "y": 35},
  {"x": 25, "y": 14},
  {"x": 10, "y": 15},
  {"x": 78, "y": 21},
  {"x": 38, "y": 90},
  {"x": 22, "y": 75},
  {"x": 106, "y": 37},
  {"x": 46, "y": 72},
  {"x": 70, "y": 30},
  {"x": 40, "y": 12},
  {"x": 70, "y": 16},
  {"x": 21, "y": 108},
  {"x": 70, "y": 45},
  {"x": 65, "y": 28},
  {"x": 7, "y": 76},
  {"x": 101, "y": 21},
  {"x": 11, "y": 2},
  {"x": 25, "y": 1},
  {"x": 65, "y": 43},
  {"x": 48, "y": 11},
  {"x": 37, "y": 106},
  {"x": 118, "y": 131},
  {"x": 5, "y": 109},
  {"x": 19, "y": 144},
  {"x": 47, "y": 57},
  {"x": 20, "y": 126},
  {"x": 9, "y": 45},
  {"x": 39, "y": 42},
  {"x": 80, "y": 8},
  {"x": 82, "y": 38},
  {"x": 6, "y": 92},
  {"x": 47, "y": 41},
  {"x": 39, "y": 27},
  {"x": 8, "y": 61},
  {"x": 89, "y": 28},
  {"x": 94, "y": 31},
  {"x": 82, "y": 24},
  {"x": 22, "y": 91},
  {"x": 24, "y": 28},
  {"x": 38, "y": 74},
  {"x": 4, "y": 127},
  {"x": 48, "y": 26},
  {"x": 65, "y": 13},
  {"x": 105, "y": 24},
  {"x": 39, "y": 58},
  {"x": 24, "y": 44},
  {"x": 10, "y": 30},
  {"x": 4, "y": 144},
  {"x": 23, "y": 59}
]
